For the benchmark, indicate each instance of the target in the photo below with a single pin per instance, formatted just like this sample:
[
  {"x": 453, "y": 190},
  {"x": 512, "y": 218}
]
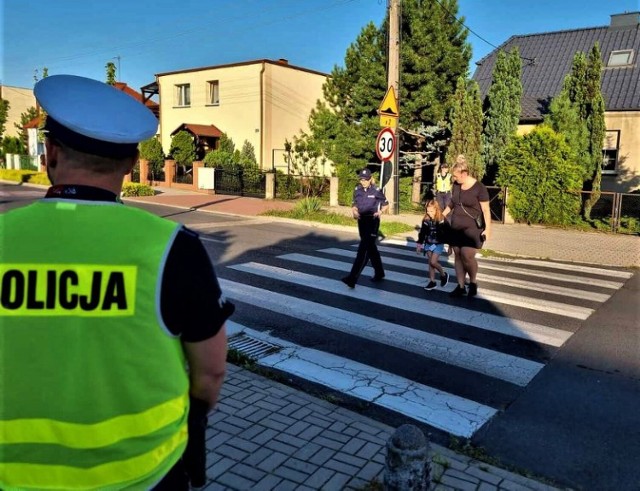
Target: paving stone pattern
[{"x": 267, "y": 436}]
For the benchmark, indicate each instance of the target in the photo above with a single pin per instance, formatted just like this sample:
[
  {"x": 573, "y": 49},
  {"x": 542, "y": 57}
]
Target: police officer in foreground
[
  {"x": 101, "y": 307},
  {"x": 368, "y": 204}
]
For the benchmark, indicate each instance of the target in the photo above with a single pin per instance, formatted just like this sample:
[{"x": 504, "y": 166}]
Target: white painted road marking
[
  {"x": 490, "y": 322},
  {"x": 495, "y": 364},
  {"x": 447, "y": 412},
  {"x": 522, "y": 301}
]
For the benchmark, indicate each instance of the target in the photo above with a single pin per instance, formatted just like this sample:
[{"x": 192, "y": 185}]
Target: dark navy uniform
[{"x": 368, "y": 202}]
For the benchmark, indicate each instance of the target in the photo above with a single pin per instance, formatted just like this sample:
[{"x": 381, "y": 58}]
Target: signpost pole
[{"x": 393, "y": 79}]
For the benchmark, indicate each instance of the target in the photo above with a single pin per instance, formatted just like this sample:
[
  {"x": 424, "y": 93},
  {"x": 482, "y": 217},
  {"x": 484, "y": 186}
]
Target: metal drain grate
[{"x": 252, "y": 347}]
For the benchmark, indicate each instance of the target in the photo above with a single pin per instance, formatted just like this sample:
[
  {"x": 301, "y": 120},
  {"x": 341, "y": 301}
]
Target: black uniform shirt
[
  {"x": 191, "y": 301},
  {"x": 368, "y": 201}
]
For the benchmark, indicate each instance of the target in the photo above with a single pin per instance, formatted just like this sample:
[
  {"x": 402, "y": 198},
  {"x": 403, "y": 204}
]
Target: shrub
[
  {"x": 182, "y": 149},
  {"x": 132, "y": 189},
  {"x": 287, "y": 186},
  {"x": 544, "y": 180},
  {"x": 39, "y": 178},
  {"x": 308, "y": 205},
  {"x": 151, "y": 150},
  {"x": 22, "y": 175}
]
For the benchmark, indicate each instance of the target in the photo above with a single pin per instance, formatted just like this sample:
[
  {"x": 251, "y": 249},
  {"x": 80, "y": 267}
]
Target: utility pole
[
  {"x": 119, "y": 77},
  {"x": 393, "y": 80}
]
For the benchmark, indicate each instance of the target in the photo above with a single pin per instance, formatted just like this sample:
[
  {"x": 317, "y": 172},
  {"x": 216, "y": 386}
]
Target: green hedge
[
  {"x": 133, "y": 189},
  {"x": 28, "y": 176}
]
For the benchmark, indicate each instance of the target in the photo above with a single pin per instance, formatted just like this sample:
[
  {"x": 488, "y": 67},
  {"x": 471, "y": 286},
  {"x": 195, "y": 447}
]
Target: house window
[
  {"x": 213, "y": 91},
  {"x": 610, "y": 150},
  {"x": 621, "y": 58},
  {"x": 183, "y": 95}
]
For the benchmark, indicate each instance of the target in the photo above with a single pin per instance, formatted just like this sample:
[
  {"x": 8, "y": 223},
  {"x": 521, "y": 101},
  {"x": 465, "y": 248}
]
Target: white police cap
[{"x": 95, "y": 110}]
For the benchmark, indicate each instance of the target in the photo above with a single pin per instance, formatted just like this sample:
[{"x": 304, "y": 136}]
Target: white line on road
[
  {"x": 522, "y": 301},
  {"x": 490, "y": 322},
  {"x": 503, "y": 265},
  {"x": 495, "y": 364},
  {"x": 447, "y": 412}
]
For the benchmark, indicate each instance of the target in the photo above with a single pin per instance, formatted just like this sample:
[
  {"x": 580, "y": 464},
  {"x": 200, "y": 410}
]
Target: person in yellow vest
[
  {"x": 443, "y": 185},
  {"x": 102, "y": 309}
]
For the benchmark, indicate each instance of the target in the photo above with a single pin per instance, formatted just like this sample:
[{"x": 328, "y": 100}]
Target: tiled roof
[
  {"x": 199, "y": 130},
  {"x": 552, "y": 54},
  {"x": 136, "y": 95},
  {"x": 34, "y": 123}
]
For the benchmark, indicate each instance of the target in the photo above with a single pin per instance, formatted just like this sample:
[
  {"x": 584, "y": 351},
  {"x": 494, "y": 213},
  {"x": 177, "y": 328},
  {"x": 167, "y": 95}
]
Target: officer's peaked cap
[
  {"x": 364, "y": 174},
  {"x": 93, "y": 117}
]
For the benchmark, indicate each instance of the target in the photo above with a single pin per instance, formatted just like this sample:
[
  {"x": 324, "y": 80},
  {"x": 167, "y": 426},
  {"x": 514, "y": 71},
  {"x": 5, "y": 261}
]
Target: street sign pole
[{"x": 393, "y": 80}]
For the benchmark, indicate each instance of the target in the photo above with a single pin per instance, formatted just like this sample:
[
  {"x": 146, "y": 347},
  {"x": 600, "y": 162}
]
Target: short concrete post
[
  {"x": 270, "y": 185},
  {"x": 407, "y": 466},
  {"x": 333, "y": 191}
]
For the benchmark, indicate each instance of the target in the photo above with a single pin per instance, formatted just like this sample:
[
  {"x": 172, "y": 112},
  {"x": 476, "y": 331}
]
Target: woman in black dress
[{"x": 469, "y": 202}]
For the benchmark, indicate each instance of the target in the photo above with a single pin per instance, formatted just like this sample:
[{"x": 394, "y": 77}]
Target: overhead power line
[{"x": 530, "y": 60}]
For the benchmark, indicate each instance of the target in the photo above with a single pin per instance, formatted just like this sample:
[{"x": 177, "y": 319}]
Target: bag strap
[{"x": 468, "y": 214}]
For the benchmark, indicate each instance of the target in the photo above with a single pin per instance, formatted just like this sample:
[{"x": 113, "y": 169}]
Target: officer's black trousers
[{"x": 367, "y": 250}]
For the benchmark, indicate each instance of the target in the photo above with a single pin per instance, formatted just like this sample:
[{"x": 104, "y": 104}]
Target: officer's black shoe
[
  {"x": 377, "y": 277},
  {"x": 349, "y": 281}
]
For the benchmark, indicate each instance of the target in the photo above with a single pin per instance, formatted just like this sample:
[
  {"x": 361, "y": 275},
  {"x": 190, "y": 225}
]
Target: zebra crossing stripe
[
  {"x": 525, "y": 302},
  {"x": 494, "y": 364},
  {"x": 447, "y": 412},
  {"x": 503, "y": 264},
  {"x": 489, "y": 322},
  {"x": 504, "y": 267},
  {"x": 575, "y": 268},
  {"x": 522, "y": 284}
]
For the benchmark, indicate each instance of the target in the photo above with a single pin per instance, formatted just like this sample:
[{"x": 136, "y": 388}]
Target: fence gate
[
  {"x": 240, "y": 182},
  {"x": 497, "y": 197}
]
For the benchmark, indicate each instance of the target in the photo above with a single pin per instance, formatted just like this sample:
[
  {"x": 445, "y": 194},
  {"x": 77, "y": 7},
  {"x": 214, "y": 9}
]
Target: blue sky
[{"x": 154, "y": 36}]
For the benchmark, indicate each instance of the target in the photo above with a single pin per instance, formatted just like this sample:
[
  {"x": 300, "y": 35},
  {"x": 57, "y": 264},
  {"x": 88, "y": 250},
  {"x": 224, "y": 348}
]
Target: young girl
[{"x": 431, "y": 242}]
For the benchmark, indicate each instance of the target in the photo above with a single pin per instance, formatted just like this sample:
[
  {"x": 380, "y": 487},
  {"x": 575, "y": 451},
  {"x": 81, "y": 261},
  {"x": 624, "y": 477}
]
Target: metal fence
[
  {"x": 240, "y": 182},
  {"x": 182, "y": 175}
]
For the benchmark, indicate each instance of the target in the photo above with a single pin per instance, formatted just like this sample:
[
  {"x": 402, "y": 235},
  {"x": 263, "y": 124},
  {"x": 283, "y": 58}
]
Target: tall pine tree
[
  {"x": 595, "y": 126},
  {"x": 466, "y": 127},
  {"x": 503, "y": 111},
  {"x": 578, "y": 113},
  {"x": 434, "y": 53}
]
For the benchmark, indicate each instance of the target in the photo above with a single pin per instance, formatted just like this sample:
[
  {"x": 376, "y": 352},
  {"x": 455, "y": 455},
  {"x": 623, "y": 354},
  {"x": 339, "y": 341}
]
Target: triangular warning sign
[{"x": 389, "y": 106}]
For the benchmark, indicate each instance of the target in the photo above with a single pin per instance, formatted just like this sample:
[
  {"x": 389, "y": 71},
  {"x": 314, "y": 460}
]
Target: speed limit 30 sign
[{"x": 385, "y": 144}]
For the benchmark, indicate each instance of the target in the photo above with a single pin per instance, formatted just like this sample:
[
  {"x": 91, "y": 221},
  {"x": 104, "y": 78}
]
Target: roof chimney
[{"x": 628, "y": 19}]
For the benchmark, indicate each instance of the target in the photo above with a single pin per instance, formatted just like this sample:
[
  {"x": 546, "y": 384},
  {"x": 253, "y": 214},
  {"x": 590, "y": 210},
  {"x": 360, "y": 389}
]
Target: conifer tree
[
  {"x": 434, "y": 53},
  {"x": 4, "y": 114},
  {"x": 503, "y": 112},
  {"x": 111, "y": 73},
  {"x": 466, "y": 127},
  {"x": 595, "y": 126},
  {"x": 584, "y": 128}
]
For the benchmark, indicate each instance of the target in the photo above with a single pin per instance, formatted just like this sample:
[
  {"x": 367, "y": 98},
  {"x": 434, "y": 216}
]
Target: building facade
[
  {"x": 264, "y": 102},
  {"x": 547, "y": 59},
  {"x": 20, "y": 100}
]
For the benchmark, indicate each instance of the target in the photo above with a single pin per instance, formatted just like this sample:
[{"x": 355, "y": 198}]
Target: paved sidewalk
[
  {"x": 267, "y": 436},
  {"x": 538, "y": 241}
]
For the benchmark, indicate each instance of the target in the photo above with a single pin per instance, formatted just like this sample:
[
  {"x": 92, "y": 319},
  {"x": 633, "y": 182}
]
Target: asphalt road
[{"x": 576, "y": 421}]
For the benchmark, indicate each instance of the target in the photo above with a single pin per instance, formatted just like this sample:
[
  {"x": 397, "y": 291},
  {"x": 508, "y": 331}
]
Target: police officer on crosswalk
[
  {"x": 101, "y": 307},
  {"x": 368, "y": 204}
]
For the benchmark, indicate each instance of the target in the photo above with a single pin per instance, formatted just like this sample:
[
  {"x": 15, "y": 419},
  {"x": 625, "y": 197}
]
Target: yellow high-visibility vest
[{"x": 94, "y": 389}]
